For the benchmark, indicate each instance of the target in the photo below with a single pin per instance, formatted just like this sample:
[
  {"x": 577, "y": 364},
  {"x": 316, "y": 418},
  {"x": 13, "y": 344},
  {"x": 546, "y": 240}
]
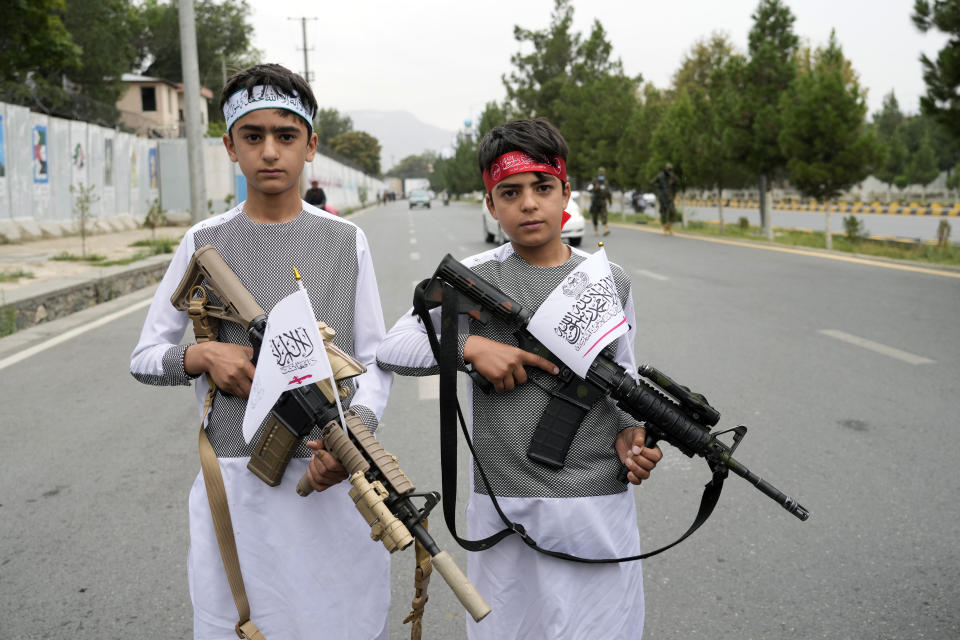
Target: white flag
[
  {"x": 292, "y": 355},
  {"x": 582, "y": 315}
]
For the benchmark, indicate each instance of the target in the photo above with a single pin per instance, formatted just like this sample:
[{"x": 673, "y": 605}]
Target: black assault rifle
[{"x": 684, "y": 423}]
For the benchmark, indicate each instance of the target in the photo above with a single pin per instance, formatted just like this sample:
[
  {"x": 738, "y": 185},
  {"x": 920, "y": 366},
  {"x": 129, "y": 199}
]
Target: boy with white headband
[
  {"x": 582, "y": 509},
  {"x": 309, "y": 567}
]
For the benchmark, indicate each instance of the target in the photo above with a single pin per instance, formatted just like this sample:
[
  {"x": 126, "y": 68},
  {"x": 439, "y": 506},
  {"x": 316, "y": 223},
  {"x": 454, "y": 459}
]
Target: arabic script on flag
[
  {"x": 582, "y": 315},
  {"x": 292, "y": 355}
]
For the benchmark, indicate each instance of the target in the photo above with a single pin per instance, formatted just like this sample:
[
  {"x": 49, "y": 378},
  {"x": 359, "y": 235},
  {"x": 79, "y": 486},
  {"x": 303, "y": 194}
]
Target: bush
[
  {"x": 743, "y": 223},
  {"x": 855, "y": 229},
  {"x": 943, "y": 234}
]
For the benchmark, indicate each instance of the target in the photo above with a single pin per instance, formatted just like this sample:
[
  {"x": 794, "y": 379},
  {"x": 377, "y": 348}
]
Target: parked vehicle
[
  {"x": 419, "y": 198},
  {"x": 572, "y": 232}
]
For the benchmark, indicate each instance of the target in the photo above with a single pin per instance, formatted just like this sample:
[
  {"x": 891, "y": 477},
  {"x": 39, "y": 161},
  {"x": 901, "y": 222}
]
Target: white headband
[{"x": 264, "y": 97}]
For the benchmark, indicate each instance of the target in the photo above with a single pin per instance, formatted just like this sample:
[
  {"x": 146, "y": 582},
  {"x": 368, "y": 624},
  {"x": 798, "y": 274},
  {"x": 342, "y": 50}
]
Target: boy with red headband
[
  {"x": 309, "y": 567},
  {"x": 582, "y": 509}
]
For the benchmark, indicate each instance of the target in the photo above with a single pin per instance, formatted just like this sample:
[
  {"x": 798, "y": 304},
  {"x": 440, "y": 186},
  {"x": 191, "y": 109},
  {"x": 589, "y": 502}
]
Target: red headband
[{"x": 519, "y": 162}]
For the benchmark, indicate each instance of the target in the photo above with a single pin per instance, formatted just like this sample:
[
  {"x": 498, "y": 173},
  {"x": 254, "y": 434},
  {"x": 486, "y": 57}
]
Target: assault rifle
[
  {"x": 381, "y": 491},
  {"x": 685, "y": 422}
]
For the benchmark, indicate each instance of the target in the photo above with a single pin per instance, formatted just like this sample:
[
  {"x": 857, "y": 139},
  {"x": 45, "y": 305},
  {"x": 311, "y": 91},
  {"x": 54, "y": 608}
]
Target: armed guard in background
[
  {"x": 599, "y": 197},
  {"x": 666, "y": 183}
]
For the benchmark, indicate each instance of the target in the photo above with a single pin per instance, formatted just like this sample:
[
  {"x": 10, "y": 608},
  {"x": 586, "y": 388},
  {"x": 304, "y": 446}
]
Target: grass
[
  {"x": 897, "y": 250},
  {"x": 13, "y": 275},
  {"x": 151, "y": 247}
]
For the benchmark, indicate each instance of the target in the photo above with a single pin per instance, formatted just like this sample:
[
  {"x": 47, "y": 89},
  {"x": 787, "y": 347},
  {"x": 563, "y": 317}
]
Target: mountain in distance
[{"x": 400, "y": 134}]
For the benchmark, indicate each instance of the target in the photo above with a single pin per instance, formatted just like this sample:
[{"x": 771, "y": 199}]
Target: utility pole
[
  {"x": 306, "y": 64},
  {"x": 191, "y": 110}
]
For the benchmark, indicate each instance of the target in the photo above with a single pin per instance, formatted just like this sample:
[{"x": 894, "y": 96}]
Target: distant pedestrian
[
  {"x": 600, "y": 196},
  {"x": 315, "y": 194},
  {"x": 666, "y": 183}
]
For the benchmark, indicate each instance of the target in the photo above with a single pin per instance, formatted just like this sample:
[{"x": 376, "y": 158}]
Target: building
[{"x": 153, "y": 107}]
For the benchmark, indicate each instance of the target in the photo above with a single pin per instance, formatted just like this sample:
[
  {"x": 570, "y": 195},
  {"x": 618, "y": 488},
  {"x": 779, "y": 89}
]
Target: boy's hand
[
  {"x": 324, "y": 470},
  {"x": 227, "y": 363},
  {"x": 502, "y": 364},
  {"x": 638, "y": 459}
]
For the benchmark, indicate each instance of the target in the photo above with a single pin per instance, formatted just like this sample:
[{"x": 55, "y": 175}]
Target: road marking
[
  {"x": 414, "y": 255},
  {"x": 892, "y": 352},
  {"x": 413, "y": 241},
  {"x": 801, "y": 252},
  {"x": 72, "y": 333},
  {"x": 428, "y": 387},
  {"x": 651, "y": 274}
]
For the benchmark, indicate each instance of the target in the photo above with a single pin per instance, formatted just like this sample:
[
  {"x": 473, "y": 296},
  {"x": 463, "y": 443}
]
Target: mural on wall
[
  {"x": 152, "y": 164},
  {"x": 108, "y": 162},
  {"x": 3, "y": 159},
  {"x": 134, "y": 172},
  {"x": 41, "y": 174}
]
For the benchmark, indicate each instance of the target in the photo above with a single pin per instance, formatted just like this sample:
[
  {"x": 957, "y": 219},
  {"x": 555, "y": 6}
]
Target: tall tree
[
  {"x": 330, "y": 123},
  {"x": 361, "y": 148},
  {"x": 105, "y": 32},
  {"x": 942, "y": 76},
  {"x": 575, "y": 83},
  {"x": 413, "y": 166},
  {"x": 922, "y": 167},
  {"x": 824, "y": 131},
  {"x": 634, "y": 148},
  {"x": 37, "y": 51},
  {"x": 704, "y": 58},
  {"x": 755, "y": 123},
  {"x": 493, "y": 115}
]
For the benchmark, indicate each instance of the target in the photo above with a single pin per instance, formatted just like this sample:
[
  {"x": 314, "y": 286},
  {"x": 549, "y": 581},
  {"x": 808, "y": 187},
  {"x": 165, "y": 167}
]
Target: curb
[{"x": 62, "y": 298}]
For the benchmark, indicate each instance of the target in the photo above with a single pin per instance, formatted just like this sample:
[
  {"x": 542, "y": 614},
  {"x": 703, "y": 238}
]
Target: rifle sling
[
  {"x": 217, "y": 494},
  {"x": 446, "y": 353}
]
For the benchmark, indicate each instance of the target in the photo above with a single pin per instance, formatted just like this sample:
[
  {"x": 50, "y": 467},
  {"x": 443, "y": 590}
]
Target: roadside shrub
[
  {"x": 943, "y": 234},
  {"x": 743, "y": 223},
  {"x": 855, "y": 230}
]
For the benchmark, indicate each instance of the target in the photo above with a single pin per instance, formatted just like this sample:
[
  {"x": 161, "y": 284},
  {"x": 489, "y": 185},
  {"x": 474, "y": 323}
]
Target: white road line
[
  {"x": 72, "y": 333},
  {"x": 651, "y": 274},
  {"x": 414, "y": 255},
  {"x": 413, "y": 241},
  {"x": 892, "y": 352},
  {"x": 429, "y": 387}
]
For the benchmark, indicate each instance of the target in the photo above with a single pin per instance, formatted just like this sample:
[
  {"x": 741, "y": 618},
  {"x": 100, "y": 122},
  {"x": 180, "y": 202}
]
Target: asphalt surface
[{"x": 844, "y": 370}]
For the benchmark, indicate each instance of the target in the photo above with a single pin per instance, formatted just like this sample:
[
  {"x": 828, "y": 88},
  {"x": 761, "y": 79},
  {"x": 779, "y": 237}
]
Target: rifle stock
[{"x": 665, "y": 419}]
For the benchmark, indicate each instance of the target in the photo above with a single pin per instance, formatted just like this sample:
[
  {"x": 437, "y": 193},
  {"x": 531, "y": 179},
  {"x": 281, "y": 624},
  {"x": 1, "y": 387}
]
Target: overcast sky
[{"x": 442, "y": 60}]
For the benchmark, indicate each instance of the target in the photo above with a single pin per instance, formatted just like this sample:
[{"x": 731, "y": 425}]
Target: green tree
[
  {"x": 224, "y": 41},
  {"x": 942, "y": 76},
  {"x": 754, "y": 123},
  {"x": 824, "y": 130},
  {"x": 105, "y": 31},
  {"x": 459, "y": 173},
  {"x": 704, "y": 58},
  {"x": 493, "y": 115},
  {"x": 634, "y": 147},
  {"x": 414, "y": 166},
  {"x": 575, "y": 83},
  {"x": 361, "y": 148},
  {"x": 922, "y": 167},
  {"x": 330, "y": 123},
  {"x": 888, "y": 128},
  {"x": 38, "y": 51}
]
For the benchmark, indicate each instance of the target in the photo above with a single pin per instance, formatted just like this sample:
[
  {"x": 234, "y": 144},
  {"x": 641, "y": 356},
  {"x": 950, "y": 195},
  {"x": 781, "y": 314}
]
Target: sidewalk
[{"x": 61, "y": 287}]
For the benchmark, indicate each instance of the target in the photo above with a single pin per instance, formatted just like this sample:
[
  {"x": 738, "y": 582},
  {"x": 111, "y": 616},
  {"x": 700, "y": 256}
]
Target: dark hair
[
  {"x": 537, "y": 138},
  {"x": 279, "y": 77}
]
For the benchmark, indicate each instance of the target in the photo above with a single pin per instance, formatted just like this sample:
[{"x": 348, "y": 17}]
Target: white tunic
[
  {"x": 582, "y": 509},
  {"x": 309, "y": 566}
]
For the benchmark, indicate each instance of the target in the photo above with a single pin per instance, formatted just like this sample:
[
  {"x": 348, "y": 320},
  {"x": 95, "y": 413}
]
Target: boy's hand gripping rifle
[
  {"x": 684, "y": 424},
  {"x": 381, "y": 491}
]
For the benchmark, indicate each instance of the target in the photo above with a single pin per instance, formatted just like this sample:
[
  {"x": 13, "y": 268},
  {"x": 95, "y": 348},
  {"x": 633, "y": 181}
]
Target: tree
[
  {"x": 224, "y": 41},
  {"x": 493, "y": 116},
  {"x": 105, "y": 31},
  {"x": 634, "y": 147},
  {"x": 361, "y": 148},
  {"x": 824, "y": 130},
  {"x": 414, "y": 166},
  {"x": 576, "y": 85},
  {"x": 330, "y": 123},
  {"x": 754, "y": 123},
  {"x": 37, "y": 51},
  {"x": 942, "y": 76},
  {"x": 705, "y": 57},
  {"x": 458, "y": 173},
  {"x": 922, "y": 167}
]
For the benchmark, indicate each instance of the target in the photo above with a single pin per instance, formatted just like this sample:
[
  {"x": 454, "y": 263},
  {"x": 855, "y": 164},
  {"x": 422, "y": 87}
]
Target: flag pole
[{"x": 333, "y": 382}]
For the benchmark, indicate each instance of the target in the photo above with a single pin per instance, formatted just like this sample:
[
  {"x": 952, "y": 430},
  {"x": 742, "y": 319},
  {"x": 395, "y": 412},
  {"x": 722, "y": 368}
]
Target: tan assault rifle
[{"x": 381, "y": 490}]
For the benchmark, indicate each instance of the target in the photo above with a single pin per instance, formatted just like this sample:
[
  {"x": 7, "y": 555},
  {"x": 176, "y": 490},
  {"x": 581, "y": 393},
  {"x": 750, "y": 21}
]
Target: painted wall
[{"x": 41, "y": 157}]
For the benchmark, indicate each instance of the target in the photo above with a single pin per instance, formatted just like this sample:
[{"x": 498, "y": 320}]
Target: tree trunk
[
  {"x": 764, "y": 209},
  {"x": 827, "y": 235},
  {"x": 720, "y": 206}
]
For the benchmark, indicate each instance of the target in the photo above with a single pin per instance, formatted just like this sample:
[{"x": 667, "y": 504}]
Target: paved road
[{"x": 845, "y": 373}]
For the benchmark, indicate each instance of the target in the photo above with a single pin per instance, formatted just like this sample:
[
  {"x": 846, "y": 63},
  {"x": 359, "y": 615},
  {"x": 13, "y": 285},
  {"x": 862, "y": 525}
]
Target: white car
[{"x": 572, "y": 232}]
